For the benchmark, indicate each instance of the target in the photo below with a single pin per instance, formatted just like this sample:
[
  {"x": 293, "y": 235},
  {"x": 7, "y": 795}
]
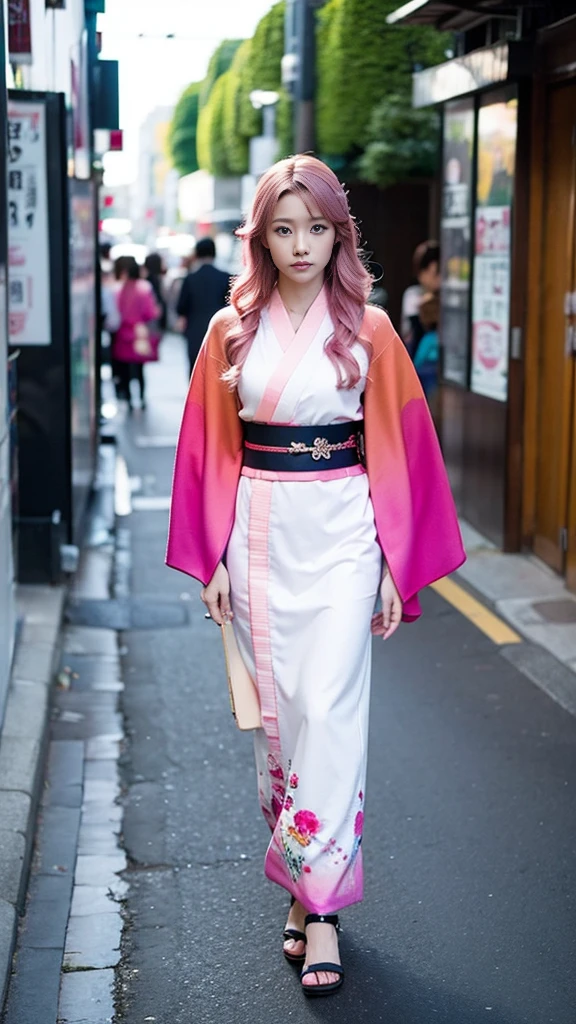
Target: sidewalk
[
  {"x": 23, "y": 744},
  {"x": 24, "y": 735},
  {"x": 519, "y": 588},
  {"x": 535, "y": 602}
]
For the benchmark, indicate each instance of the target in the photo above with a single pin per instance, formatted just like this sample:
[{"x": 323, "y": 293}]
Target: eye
[
  {"x": 318, "y": 229},
  {"x": 283, "y": 231}
]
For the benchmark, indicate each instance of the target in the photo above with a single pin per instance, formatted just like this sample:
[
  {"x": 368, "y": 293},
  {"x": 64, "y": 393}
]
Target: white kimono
[{"x": 305, "y": 567}]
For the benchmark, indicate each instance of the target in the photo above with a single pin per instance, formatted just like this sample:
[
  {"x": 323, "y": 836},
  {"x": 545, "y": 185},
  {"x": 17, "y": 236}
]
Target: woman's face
[{"x": 300, "y": 239}]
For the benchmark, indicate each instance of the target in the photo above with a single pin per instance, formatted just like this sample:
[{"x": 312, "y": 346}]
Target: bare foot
[
  {"x": 322, "y": 946},
  {"x": 296, "y": 915}
]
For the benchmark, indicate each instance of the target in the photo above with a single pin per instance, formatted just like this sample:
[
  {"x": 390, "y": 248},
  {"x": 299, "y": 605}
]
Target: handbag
[
  {"x": 244, "y": 700},
  {"x": 142, "y": 343}
]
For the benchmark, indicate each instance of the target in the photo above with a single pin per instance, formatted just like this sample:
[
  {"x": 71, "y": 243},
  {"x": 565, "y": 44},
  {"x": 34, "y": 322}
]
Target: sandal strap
[
  {"x": 293, "y": 933},
  {"x": 330, "y": 968},
  {"x": 321, "y": 919}
]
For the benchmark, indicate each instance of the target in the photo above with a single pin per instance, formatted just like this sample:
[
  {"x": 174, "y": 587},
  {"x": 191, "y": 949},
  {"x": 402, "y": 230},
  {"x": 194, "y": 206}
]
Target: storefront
[
  {"x": 508, "y": 300},
  {"x": 7, "y": 374}
]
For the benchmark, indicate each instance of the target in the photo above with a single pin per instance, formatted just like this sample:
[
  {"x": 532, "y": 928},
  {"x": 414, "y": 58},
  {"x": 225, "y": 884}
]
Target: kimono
[{"x": 304, "y": 551}]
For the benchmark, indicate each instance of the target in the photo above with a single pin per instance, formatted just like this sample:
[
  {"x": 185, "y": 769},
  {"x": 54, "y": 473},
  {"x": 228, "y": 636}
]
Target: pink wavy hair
[{"x": 347, "y": 281}]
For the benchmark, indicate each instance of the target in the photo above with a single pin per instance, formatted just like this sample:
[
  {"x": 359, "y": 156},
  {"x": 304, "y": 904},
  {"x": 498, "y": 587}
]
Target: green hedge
[
  {"x": 362, "y": 61},
  {"x": 182, "y": 131},
  {"x": 404, "y": 143},
  {"x": 219, "y": 62},
  {"x": 212, "y": 155},
  {"x": 228, "y": 120}
]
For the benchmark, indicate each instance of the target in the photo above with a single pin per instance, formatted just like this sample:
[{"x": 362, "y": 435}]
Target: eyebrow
[{"x": 288, "y": 220}]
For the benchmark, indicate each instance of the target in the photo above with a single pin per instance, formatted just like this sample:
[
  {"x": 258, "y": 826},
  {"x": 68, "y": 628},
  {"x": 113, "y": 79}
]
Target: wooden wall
[{"x": 392, "y": 223}]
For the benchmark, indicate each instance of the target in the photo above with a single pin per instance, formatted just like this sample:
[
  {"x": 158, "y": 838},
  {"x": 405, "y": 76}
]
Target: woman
[
  {"x": 275, "y": 513},
  {"x": 155, "y": 270},
  {"x": 135, "y": 342}
]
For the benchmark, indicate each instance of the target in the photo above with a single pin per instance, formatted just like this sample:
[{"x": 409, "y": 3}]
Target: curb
[{"x": 23, "y": 749}]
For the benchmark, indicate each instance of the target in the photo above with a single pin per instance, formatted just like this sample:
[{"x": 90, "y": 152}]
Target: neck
[{"x": 299, "y": 297}]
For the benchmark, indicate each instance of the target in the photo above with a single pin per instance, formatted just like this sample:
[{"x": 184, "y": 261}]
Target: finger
[
  {"x": 225, "y": 607},
  {"x": 386, "y": 612},
  {"x": 395, "y": 618},
  {"x": 214, "y": 609}
]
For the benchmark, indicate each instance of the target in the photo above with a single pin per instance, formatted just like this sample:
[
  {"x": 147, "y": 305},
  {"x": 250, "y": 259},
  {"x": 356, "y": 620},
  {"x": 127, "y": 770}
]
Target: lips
[{"x": 300, "y": 265}]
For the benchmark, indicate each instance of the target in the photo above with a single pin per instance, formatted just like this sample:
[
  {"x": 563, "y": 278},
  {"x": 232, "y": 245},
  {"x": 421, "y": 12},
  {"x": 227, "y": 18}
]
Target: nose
[{"x": 301, "y": 244}]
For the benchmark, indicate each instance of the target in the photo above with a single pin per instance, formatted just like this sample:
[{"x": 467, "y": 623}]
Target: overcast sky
[{"x": 153, "y": 69}]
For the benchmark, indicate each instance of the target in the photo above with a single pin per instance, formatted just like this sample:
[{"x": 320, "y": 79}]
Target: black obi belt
[{"x": 304, "y": 449}]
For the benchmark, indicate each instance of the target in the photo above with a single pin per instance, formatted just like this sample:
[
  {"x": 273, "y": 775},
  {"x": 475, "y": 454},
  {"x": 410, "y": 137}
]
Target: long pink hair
[{"x": 347, "y": 281}]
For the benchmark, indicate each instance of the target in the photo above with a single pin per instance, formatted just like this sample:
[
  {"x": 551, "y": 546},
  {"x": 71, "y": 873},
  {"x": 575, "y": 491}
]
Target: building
[
  {"x": 7, "y": 588},
  {"x": 508, "y": 303},
  {"x": 58, "y": 92},
  {"x": 156, "y": 204}
]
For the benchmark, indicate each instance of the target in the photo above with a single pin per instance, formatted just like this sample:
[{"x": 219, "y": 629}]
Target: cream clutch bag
[{"x": 243, "y": 693}]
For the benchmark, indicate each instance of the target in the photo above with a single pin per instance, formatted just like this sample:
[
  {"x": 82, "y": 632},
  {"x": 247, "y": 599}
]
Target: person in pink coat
[{"x": 137, "y": 339}]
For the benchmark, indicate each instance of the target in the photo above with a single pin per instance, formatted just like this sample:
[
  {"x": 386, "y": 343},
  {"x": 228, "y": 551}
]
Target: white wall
[{"x": 54, "y": 33}]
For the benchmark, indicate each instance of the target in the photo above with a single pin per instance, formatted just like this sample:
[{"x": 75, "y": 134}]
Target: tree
[
  {"x": 264, "y": 71},
  {"x": 237, "y": 110},
  {"x": 182, "y": 130},
  {"x": 227, "y": 119},
  {"x": 219, "y": 62},
  {"x": 211, "y": 150},
  {"x": 403, "y": 143},
  {"x": 361, "y": 62}
]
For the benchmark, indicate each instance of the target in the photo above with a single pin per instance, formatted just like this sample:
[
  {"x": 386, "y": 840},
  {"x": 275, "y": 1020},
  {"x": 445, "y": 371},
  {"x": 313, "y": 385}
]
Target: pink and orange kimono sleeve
[{"x": 414, "y": 511}]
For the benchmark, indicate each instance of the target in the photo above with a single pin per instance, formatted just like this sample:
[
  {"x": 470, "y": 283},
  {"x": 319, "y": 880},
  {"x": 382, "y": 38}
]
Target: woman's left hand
[{"x": 391, "y": 606}]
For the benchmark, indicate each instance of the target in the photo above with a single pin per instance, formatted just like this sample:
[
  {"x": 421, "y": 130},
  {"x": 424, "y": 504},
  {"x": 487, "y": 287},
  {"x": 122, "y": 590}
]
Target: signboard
[
  {"x": 29, "y": 269},
  {"x": 491, "y": 292},
  {"x": 80, "y": 110},
  {"x": 19, "y": 32},
  {"x": 455, "y": 239}
]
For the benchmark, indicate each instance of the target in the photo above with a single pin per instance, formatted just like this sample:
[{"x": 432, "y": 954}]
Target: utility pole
[{"x": 298, "y": 68}]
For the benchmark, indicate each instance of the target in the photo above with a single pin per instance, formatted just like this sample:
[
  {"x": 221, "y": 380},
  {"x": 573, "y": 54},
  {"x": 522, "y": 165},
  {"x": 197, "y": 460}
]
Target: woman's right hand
[{"x": 216, "y": 595}]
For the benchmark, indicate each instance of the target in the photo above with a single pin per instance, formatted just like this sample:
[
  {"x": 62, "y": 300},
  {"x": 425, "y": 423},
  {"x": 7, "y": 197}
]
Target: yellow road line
[{"x": 481, "y": 616}]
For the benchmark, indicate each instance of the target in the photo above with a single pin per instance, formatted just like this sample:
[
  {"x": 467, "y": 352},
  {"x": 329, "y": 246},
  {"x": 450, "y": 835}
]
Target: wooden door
[{"x": 556, "y": 422}]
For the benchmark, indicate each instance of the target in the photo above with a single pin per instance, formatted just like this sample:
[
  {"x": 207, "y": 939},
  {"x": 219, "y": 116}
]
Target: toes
[
  {"x": 320, "y": 978},
  {"x": 294, "y": 946}
]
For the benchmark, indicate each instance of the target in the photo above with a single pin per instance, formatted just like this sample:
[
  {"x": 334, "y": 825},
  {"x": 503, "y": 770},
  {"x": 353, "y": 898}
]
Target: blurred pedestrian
[
  {"x": 298, "y": 387},
  {"x": 204, "y": 292},
  {"x": 155, "y": 271},
  {"x": 136, "y": 341},
  {"x": 425, "y": 348}
]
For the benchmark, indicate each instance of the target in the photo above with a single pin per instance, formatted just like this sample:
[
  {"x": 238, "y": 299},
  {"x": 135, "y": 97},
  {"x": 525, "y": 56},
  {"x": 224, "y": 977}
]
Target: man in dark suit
[{"x": 203, "y": 293}]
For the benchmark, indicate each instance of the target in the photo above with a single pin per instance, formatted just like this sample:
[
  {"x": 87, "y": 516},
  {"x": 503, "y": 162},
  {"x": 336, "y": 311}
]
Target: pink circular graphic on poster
[{"x": 488, "y": 343}]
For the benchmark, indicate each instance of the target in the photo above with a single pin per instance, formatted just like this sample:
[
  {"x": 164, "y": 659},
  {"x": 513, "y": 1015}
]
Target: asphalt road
[{"x": 470, "y": 830}]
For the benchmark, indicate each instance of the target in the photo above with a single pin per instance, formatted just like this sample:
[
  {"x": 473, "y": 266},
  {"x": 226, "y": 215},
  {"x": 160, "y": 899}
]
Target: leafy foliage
[
  {"x": 212, "y": 155},
  {"x": 219, "y": 62},
  {"x": 182, "y": 131},
  {"x": 403, "y": 143},
  {"x": 362, "y": 61},
  {"x": 227, "y": 119}
]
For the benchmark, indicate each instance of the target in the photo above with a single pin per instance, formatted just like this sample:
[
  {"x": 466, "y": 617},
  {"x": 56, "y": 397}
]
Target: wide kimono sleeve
[
  {"x": 208, "y": 464},
  {"x": 414, "y": 510}
]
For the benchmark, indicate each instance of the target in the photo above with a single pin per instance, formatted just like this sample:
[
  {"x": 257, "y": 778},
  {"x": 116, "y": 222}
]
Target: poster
[
  {"x": 491, "y": 326},
  {"x": 19, "y": 32},
  {"x": 455, "y": 238},
  {"x": 28, "y": 259},
  {"x": 492, "y": 249}
]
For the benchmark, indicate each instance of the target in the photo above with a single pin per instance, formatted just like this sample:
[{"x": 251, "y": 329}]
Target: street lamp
[{"x": 263, "y": 147}]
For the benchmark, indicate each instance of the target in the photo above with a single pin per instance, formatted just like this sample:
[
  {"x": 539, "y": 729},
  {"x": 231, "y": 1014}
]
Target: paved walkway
[{"x": 469, "y": 834}]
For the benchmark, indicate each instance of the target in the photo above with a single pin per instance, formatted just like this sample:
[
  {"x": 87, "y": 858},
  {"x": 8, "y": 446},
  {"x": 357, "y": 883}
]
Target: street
[{"x": 469, "y": 846}]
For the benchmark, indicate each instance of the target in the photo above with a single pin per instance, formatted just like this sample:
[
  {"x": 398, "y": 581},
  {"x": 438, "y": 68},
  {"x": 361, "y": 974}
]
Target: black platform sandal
[
  {"x": 297, "y": 936},
  {"x": 322, "y": 990}
]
